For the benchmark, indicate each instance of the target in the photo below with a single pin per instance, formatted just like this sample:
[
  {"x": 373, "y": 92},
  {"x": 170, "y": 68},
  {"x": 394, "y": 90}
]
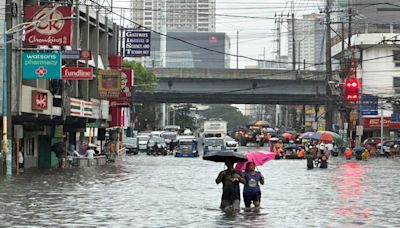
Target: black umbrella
[{"x": 225, "y": 155}]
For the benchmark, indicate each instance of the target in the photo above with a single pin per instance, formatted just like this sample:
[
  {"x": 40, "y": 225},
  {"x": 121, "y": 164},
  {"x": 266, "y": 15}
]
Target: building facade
[
  {"x": 309, "y": 42},
  {"x": 207, "y": 52},
  {"x": 378, "y": 67},
  {"x": 181, "y": 15}
]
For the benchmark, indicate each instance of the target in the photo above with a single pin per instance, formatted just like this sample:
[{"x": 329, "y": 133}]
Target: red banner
[
  {"x": 375, "y": 122},
  {"x": 50, "y": 25},
  {"x": 85, "y": 55},
  {"x": 77, "y": 73}
]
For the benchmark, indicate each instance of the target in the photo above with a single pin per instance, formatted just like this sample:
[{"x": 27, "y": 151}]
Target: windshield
[
  {"x": 143, "y": 138},
  {"x": 169, "y": 136},
  {"x": 185, "y": 142},
  {"x": 214, "y": 142},
  {"x": 131, "y": 140}
]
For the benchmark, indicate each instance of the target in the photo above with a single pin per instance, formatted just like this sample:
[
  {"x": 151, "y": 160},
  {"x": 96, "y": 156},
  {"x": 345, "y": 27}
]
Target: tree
[
  {"x": 183, "y": 116},
  {"x": 144, "y": 80},
  {"x": 230, "y": 114}
]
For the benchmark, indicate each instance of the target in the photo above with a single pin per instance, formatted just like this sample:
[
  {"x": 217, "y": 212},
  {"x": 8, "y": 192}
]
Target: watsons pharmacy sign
[{"x": 41, "y": 65}]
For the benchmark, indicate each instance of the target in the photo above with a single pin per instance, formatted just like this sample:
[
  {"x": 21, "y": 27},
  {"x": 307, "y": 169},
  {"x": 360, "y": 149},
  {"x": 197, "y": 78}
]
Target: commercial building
[
  {"x": 180, "y": 15},
  {"x": 309, "y": 42},
  {"x": 377, "y": 58},
  {"x": 69, "y": 92},
  {"x": 199, "y": 50}
]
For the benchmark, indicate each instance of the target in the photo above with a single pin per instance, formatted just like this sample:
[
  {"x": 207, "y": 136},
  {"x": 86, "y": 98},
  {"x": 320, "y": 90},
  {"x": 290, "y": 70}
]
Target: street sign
[
  {"x": 41, "y": 65},
  {"x": 71, "y": 54},
  {"x": 359, "y": 130},
  {"x": 369, "y": 105},
  {"x": 396, "y": 117},
  {"x": 137, "y": 43}
]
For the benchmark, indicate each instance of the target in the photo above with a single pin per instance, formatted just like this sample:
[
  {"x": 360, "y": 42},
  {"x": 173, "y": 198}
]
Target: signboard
[
  {"x": 51, "y": 25},
  {"x": 85, "y": 55},
  {"x": 375, "y": 122},
  {"x": 71, "y": 54},
  {"x": 39, "y": 100},
  {"x": 359, "y": 130},
  {"x": 59, "y": 131},
  {"x": 396, "y": 117},
  {"x": 127, "y": 79},
  {"x": 81, "y": 108},
  {"x": 369, "y": 105},
  {"x": 41, "y": 65},
  {"x": 77, "y": 73},
  {"x": 137, "y": 43},
  {"x": 109, "y": 82}
]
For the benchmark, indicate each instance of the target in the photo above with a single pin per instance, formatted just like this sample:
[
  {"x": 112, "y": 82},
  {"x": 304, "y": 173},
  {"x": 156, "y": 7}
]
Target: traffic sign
[
  {"x": 359, "y": 130},
  {"x": 369, "y": 105}
]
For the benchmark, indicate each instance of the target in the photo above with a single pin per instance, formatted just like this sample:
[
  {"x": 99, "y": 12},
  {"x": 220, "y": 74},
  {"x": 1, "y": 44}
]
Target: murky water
[{"x": 146, "y": 191}]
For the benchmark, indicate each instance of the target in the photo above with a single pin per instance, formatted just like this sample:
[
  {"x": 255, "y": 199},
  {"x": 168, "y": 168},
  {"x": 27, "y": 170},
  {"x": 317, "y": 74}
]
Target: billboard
[
  {"x": 109, "y": 83},
  {"x": 137, "y": 43},
  {"x": 369, "y": 105},
  {"x": 77, "y": 73},
  {"x": 51, "y": 25},
  {"x": 41, "y": 65}
]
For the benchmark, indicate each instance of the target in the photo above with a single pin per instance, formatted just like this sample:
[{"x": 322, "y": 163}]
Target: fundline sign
[{"x": 137, "y": 43}]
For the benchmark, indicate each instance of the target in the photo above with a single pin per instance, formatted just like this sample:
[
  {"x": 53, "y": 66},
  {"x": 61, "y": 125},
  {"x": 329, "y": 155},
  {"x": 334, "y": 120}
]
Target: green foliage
[
  {"x": 230, "y": 114},
  {"x": 183, "y": 117},
  {"x": 144, "y": 80}
]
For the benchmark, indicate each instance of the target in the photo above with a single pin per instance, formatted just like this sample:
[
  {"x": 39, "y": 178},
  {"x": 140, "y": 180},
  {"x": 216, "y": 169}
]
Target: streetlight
[{"x": 237, "y": 48}]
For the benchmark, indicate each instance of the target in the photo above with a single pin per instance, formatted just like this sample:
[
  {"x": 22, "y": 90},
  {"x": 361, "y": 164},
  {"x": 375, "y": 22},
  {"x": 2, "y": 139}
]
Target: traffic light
[{"x": 351, "y": 90}]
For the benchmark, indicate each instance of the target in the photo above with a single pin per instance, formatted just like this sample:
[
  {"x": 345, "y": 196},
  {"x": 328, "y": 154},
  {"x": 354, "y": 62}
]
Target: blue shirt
[{"x": 252, "y": 181}]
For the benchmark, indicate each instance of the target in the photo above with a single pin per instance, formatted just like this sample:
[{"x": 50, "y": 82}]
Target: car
[
  {"x": 231, "y": 144},
  {"x": 186, "y": 146},
  {"x": 131, "y": 145},
  {"x": 142, "y": 142},
  {"x": 213, "y": 144}
]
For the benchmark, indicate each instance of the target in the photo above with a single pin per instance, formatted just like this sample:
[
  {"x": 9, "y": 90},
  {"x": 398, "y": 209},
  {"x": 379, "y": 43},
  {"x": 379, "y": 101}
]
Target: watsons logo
[{"x": 42, "y": 56}]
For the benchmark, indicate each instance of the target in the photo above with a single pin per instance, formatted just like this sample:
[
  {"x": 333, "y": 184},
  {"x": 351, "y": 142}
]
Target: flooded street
[{"x": 147, "y": 191}]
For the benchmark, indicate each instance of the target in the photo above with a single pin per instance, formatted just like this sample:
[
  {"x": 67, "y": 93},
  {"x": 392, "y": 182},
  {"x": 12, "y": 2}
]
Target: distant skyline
[{"x": 254, "y": 19}]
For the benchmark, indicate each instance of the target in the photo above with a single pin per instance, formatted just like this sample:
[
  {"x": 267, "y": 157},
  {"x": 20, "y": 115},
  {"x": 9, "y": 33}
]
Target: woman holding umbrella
[{"x": 252, "y": 191}]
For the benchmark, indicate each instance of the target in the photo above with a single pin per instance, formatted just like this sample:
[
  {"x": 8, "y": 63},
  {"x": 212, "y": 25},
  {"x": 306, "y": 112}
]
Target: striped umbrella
[
  {"x": 327, "y": 137},
  {"x": 306, "y": 135}
]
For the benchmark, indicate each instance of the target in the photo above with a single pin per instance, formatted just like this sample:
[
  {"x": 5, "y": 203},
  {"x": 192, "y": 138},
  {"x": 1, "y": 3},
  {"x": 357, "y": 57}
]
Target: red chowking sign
[
  {"x": 77, "y": 73},
  {"x": 50, "y": 25}
]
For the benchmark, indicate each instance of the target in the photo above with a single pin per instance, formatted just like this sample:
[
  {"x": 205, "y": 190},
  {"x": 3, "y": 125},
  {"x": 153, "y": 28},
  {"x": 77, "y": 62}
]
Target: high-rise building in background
[
  {"x": 181, "y": 15},
  {"x": 183, "y": 55},
  {"x": 309, "y": 42}
]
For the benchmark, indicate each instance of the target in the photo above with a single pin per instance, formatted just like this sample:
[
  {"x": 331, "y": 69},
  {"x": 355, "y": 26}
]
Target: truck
[{"x": 214, "y": 135}]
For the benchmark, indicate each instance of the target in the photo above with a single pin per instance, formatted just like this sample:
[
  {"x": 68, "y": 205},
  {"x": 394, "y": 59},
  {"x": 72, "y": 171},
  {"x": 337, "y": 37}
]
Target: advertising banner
[
  {"x": 77, "y": 73},
  {"x": 109, "y": 82},
  {"x": 41, "y": 65},
  {"x": 375, "y": 122},
  {"x": 137, "y": 43},
  {"x": 39, "y": 100},
  {"x": 51, "y": 25},
  {"x": 127, "y": 79}
]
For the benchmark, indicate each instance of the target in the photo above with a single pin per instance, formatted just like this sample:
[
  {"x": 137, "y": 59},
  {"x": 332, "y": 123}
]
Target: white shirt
[
  {"x": 20, "y": 158},
  {"x": 90, "y": 153}
]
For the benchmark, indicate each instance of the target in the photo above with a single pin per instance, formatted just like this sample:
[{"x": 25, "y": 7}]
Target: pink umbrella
[{"x": 258, "y": 157}]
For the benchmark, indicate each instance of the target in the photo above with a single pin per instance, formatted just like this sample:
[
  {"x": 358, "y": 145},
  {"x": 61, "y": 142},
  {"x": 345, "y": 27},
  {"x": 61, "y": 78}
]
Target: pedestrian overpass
[{"x": 235, "y": 86}]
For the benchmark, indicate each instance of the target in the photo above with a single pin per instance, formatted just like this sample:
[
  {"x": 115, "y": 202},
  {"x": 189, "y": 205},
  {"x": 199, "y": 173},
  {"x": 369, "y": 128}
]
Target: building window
[
  {"x": 396, "y": 58},
  {"x": 30, "y": 147}
]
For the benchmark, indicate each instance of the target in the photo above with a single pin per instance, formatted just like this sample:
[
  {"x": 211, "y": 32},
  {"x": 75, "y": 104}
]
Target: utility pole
[
  {"x": 329, "y": 110},
  {"x": 293, "y": 40},
  {"x": 237, "y": 49},
  {"x": 7, "y": 145}
]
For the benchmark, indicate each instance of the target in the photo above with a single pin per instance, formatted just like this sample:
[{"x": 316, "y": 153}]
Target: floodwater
[{"x": 147, "y": 191}]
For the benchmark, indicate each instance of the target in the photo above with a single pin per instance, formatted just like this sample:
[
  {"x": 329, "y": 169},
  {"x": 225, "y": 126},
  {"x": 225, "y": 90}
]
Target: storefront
[{"x": 372, "y": 127}]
